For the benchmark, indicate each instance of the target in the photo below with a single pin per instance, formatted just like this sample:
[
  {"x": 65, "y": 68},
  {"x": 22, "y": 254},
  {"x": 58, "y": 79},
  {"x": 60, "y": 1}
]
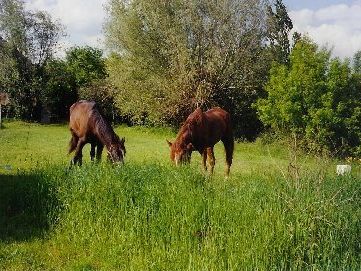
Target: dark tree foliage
[{"x": 59, "y": 92}]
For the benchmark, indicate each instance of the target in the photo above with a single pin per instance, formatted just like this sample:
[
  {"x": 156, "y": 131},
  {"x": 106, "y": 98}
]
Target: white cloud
[
  {"x": 336, "y": 26},
  {"x": 83, "y": 19}
]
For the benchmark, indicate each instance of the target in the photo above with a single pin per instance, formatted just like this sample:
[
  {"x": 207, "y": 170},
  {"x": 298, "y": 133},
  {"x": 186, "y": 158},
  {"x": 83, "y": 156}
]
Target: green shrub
[{"x": 315, "y": 99}]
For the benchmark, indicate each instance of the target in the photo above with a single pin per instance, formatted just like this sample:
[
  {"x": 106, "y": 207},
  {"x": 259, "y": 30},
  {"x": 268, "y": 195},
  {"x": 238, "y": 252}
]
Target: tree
[
  {"x": 315, "y": 99},
  {"x": 59, "y": 91},
  {"x": 357, "y": 62},
  {"x": 8, "y": 71},
  {"x": 34, "y": 35},
  {"x": 30, "y": 38},
  {"x": 86, "y": 63},
  {"x": 103, "y": 93},
  {"x": 279, "y": 27},
  {"x": 170, "y": 57}
]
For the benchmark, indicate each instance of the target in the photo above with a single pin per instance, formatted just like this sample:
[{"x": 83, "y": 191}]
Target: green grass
[
  {"x": 149, "y": 215},
  {"x": 29, "y": 145}
]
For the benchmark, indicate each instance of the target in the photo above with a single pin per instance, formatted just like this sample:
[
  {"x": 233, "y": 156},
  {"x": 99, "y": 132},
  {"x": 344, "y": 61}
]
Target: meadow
[{"x": 149, "y": 215}]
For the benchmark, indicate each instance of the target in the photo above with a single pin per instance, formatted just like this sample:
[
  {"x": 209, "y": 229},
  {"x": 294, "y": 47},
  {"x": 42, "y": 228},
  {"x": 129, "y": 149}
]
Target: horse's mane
[
  {"x": 186, "y": 130},
  {"x": 102, "y": 125}
]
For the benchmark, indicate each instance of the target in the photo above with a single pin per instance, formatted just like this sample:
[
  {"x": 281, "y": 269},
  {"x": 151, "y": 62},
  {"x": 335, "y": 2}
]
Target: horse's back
[
  {"x": 217, "y": 113},
  {"x": 207, "y": 128},
  {"x": 80, "y": 114},
  {"x": 219, "y": 126},
  {"x": 82, "y": 106},
  {"x": 218, "y": 119}
]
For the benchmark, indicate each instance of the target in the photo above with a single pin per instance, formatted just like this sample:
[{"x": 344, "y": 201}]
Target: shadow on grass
[{"x": 28, "y": 206}]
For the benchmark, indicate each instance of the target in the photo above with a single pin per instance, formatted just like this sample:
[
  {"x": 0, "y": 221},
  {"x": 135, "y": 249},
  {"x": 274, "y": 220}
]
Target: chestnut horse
[
  {"x": 200, "y": 132},
  {"x": 87, "y": 125}
]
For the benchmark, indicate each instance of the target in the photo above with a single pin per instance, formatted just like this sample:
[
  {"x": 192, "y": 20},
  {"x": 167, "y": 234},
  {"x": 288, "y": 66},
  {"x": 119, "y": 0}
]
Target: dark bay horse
[
  {"x": 200, "y": 132},
  {"x": 87, "y": 125}
]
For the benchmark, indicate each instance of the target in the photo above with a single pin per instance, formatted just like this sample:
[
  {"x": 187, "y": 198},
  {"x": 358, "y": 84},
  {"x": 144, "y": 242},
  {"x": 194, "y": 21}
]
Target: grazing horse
[
  {"x": 87, "y": 125},
  {"x": 200, "y": 132}
]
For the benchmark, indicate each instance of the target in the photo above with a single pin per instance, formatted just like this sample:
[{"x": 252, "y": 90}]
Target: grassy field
[{"x": 149, "y": 215}]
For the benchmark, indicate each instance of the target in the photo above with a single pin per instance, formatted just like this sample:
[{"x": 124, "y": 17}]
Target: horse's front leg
[
  {"x": 100, "y": 148},
  {"x": 92, "y": 151},
  {"x": 204, "y": 156},
  {"x": 211, "y": 158}
]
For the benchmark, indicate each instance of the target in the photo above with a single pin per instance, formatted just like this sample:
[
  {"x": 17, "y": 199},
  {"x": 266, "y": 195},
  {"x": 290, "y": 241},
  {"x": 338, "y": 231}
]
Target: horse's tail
[{"x": 73, "y": 143}]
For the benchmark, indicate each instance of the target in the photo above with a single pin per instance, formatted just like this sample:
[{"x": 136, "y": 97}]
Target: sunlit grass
[{"x": 25, "y": 146}]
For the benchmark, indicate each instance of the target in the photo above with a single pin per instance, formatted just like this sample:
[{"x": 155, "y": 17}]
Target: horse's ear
[
  {"x": 190, "y": 147},
  {"x": 169, "y": 143}
]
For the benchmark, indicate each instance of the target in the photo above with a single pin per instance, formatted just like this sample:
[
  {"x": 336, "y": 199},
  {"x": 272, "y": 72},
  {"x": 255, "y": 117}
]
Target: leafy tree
[
  {"x": 291, "y": 91},
  {"x": 86, "y": 63},
  {"x": 357, "y": 62},
  {"x": 8, "y": 71},
  {"x": 59, "y": 91},
  {"x": 170, "y": 57},
  {"x": 34, "y": 35},
  {"x": 296, "y": 37},
  {"x": 279, "y": 27},
  {"x": 103, "y": 93},
  {"x": 315, "y": 99},
  {"x": 30, "y": 38}
]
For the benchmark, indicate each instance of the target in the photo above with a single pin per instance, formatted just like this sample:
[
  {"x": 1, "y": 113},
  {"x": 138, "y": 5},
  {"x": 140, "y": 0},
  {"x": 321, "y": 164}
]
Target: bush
[{"x": 316, "y": 99}]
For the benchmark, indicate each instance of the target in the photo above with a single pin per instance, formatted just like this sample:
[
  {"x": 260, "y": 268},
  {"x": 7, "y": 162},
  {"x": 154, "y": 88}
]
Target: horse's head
[
  {"x": 116, "y": 151},
  {"x": 180, "y": 153}
]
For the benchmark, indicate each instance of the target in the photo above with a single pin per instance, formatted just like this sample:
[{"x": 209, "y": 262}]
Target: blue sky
[
  {"x": 332, "y": 23},
  {"x": 313, "y": 4}
]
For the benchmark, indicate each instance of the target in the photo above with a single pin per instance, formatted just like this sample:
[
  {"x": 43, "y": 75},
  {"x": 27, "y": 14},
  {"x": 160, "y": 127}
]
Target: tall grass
[{"x": 152, "y": 217}]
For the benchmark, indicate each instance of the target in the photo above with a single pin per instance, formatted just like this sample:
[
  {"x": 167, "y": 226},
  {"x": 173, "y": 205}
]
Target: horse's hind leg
[
  {"x": 228, "y": 146},
  {"x": 211, "y": 158}
]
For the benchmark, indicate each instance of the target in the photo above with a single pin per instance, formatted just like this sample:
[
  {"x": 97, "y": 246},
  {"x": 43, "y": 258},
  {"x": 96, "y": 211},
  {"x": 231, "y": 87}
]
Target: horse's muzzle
[{"x": 182, "y": 160}]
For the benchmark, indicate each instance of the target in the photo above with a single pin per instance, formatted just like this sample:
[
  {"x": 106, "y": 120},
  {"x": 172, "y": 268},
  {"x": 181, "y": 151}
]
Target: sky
[{"x": 332, "y": 23}]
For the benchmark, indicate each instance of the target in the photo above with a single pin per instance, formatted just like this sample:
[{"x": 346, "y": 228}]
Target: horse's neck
[
  {"x": 194, "y": 131},
  {"x": 105, "y": 133},
  {"x": 184, "y": 136}
]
